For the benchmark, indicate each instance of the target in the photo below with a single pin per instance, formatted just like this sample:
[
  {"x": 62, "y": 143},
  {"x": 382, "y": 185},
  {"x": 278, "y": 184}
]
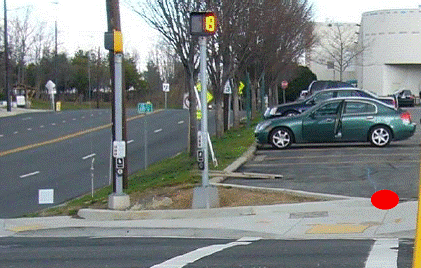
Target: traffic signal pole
[
  {"x": 203, "y": 24},
  {"x": 113, "y": 42}
]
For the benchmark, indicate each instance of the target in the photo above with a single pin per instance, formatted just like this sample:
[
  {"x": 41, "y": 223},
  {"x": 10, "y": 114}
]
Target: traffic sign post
[
  {"x": 284, "y": 86},
  {"x": 144, "y": 108},
  {"x": 166, "y": 89}
]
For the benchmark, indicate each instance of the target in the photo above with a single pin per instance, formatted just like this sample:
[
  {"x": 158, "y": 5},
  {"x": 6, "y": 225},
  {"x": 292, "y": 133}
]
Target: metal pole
[
  {"x": 6, "y": 59},
  {"x": 165, "y": 100},
  {"x": 118, "y": 61},
  {"x": 146, "y": 141},
  {"x": 204, "y": 121}
]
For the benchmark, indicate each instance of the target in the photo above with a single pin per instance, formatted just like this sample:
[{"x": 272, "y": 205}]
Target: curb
[{"x": 104, "y": 214}]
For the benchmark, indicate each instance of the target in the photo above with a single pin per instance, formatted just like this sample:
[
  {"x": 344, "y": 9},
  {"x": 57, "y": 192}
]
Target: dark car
[
  {"x": 339, "y": 120},
  {"x": 318, "y": 85},
  {"x": 404, "y": 97},
  {"x": 298, "y": 107}
]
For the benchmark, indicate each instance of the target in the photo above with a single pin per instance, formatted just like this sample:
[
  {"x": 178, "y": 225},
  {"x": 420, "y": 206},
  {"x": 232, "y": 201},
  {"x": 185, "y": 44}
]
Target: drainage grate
[{"x": 306, "y": 215}]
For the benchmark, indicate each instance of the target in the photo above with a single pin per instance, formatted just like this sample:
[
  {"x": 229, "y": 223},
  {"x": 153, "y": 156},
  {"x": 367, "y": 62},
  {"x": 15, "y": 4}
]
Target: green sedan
[{"x": 338, "y": 120}]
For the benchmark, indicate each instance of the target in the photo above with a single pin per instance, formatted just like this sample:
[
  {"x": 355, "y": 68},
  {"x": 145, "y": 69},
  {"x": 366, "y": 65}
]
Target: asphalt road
[
  {"x": 54, "y": 151},
  {"x": 184, "y": 252},
  {"x": 350, "y": 169}
]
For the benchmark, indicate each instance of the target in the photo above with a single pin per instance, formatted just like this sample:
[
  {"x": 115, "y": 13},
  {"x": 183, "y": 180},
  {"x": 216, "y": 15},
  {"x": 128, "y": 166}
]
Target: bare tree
[
  {"x": 337, "y": 47},
  {"x": 21, "y": 40},
  {"x": 171, "y": 19}
]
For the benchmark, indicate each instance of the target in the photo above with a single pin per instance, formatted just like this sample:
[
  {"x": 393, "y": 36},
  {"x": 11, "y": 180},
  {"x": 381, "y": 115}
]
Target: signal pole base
[
  {"x": 205, "y": 197},
  {"x": 118, "y": 202}
]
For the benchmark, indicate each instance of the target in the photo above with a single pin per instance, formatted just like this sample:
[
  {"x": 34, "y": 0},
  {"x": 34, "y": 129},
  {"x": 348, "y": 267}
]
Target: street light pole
[{"x": 6, "y": 59}]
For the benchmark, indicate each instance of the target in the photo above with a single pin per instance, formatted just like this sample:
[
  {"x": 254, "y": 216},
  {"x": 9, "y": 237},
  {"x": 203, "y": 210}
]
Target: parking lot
[{"x": 350, "y": 169}]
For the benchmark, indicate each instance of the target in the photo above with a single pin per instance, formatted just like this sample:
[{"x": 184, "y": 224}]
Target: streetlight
[
  {"x": 55, "y": 51},
  {"x": 6, "y": 59}
]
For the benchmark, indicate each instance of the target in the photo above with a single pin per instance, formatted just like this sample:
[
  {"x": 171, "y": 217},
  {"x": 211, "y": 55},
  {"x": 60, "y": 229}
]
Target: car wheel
[
  {"x": 380, "y": 136},
  {"x": 291, "y": 113},
  {"x": 281, "y": 138}
]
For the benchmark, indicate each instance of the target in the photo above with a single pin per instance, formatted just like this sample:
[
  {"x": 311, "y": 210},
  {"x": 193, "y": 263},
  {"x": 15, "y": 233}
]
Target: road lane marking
[
  {"x": 335, "y": 156},
  {"x": 15, "y": 132},
  {"x": 191, "y": 257},
  {"x": 53, "y": 124},
  {"x": 324, "y": 163},
  {"x": 29, "y": 129},
  {"x": 42, "y": 126},
  {"x": 64, "y": 121},
  {"x": 88, "y": 156},
  {"x": 180, "y": 122},
  {"x": 26, "y": 118},
  {"x": 63, "y": 138},
  {"x": 384, "y": 253},
  {"x": 74, "y": 119},
  {"x": 1, "y": 136},
  {"x": 130, "y": 141},
  {"x": 29, "y": 174},
  {"x": 158, "y": 130}
]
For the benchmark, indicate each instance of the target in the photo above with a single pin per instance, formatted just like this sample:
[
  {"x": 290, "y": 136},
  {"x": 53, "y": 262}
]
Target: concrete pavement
[
  {"x": 340, "y": 217},
  {"x": 16, "y": 111}
]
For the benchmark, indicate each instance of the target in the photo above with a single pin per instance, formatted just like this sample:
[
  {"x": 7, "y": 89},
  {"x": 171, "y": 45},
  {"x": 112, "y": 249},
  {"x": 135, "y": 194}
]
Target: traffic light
[{"x": 202, "y": 23}]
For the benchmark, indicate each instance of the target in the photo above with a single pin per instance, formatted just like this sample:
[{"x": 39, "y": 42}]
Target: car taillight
[
  {"x": 406, "y": 117},
  {"x": 395, "y": 103}
]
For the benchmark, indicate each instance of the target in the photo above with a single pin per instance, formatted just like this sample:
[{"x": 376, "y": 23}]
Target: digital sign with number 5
[{"x": 202, "y": 23}]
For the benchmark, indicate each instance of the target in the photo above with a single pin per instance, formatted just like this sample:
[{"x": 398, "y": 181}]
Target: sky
[{"x": 82, "y": 23}]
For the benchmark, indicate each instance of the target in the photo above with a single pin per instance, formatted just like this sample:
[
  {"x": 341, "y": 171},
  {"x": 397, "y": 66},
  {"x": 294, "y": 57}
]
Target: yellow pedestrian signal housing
[
  {"x": 118, "y": 42},
  {"x": 113, "y": 41},
  {"x": 202, "y": 23}
]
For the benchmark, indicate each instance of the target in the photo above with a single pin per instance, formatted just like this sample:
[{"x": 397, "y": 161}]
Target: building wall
[{"x": 392, "y": 51}]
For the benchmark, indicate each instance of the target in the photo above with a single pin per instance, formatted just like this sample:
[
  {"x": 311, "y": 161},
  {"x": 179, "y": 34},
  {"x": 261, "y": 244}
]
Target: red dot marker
[{"x": 384, "y": 199}]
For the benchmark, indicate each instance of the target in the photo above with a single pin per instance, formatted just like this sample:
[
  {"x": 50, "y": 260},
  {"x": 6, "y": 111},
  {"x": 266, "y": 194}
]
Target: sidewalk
[
  {"x": 340, "y": 218},
  {"x": 354, "y": 218},
  {"x": 16, "y": 111}
]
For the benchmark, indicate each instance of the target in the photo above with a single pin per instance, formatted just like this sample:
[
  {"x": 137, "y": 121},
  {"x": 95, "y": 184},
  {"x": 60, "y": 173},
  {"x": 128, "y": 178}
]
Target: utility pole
[
  {"x": 114, "y": 43},
  {"x": 6, "y": 59}
]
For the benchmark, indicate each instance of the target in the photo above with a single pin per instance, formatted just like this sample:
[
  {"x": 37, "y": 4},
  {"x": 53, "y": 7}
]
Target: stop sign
[{"x": 284, "y": 85}]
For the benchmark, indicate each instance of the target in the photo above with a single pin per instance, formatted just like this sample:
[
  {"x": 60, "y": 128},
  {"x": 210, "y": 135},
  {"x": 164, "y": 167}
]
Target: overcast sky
[{"x": 82, "y": 23}]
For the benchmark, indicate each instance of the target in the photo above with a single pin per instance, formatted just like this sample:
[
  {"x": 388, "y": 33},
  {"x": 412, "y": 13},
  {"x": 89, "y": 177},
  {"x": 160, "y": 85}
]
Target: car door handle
[
  {"x": 370, "y": 117},
  {"x": 329, "y": 120}
]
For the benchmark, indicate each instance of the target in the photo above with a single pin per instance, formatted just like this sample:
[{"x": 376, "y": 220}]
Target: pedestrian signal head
[{"x": 202, "y": 23}]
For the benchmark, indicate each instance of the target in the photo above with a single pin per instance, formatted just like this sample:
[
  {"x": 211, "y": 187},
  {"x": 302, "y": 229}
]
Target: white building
[{"x": 391, "y": 59}]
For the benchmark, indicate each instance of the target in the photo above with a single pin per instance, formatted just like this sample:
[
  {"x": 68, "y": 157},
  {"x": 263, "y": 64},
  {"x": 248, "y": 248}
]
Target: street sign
[
  {"x": 199, "y": 139},
  {"x": 227, "y": 88},
  {"x": 284, "y": 85},
  {"x": 119, "y": 163},
  {"x": 51, "y": 87},
  {"x": 144, "y": 108},
  {"x": 119, "y": 149},
  {"x": 166, "y": 87}
]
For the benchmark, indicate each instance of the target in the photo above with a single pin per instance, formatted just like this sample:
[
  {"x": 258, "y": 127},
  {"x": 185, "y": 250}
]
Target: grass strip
[{"x": 177, "y": 170}]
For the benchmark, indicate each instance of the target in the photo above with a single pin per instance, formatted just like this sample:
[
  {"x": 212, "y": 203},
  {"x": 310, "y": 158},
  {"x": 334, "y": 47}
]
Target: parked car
[
  {"x": 339, "y": 120},
  {"x": 294, "y": 108},
  {"x": 318, "y": 85},
  {"x": 404, "y": 97}
]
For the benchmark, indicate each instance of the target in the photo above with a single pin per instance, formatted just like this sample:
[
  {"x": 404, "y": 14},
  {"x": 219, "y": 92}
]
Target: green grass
[{"x": 177, "y": 170}]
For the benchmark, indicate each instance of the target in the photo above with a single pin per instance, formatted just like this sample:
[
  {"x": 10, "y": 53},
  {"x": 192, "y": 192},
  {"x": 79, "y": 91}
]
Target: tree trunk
[
  {"x": 235, "y": 106},
  {"x": 192, "y": 114}
]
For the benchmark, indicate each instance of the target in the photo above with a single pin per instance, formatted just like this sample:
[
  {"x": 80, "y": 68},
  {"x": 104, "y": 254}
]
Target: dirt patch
[{"x": 180, "y": 197}]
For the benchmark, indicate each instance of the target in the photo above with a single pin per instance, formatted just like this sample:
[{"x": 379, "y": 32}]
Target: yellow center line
[{"x": 63, "y": 138}]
